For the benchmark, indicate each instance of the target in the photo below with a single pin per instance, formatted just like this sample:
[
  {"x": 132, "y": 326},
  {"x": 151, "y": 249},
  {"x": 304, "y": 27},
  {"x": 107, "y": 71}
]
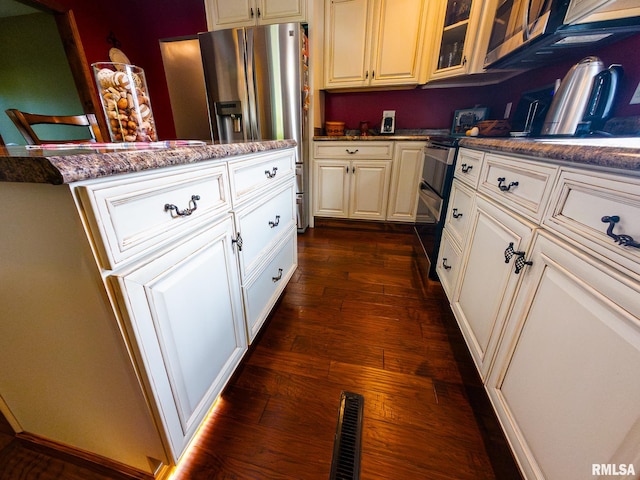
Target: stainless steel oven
[{"x": 437, "y": 175}]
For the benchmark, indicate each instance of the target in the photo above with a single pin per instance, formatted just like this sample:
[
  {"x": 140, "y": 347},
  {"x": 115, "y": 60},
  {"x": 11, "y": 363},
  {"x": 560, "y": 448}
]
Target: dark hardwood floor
[{"x": 356, "y": 317}]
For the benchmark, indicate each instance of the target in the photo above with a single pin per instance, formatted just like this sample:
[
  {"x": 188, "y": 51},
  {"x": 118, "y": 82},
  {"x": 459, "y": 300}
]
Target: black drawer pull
[
  {"x": 519, "y": 262},
  {"x": 624, "y": 240},
  {"x": 351, "y": 152},
  {"x": 237, "y": 241},
  {"x": 455, "y": 214},
  {"x": 276, "y": 223},
  {"x": 278, "y": 277},
  {"x": 505, "y": 188},
  {"x": 272, "y": 173},
  {"x": 444, "y": 264},
  {"x": 182, "y": 213},
  {"x": 465, "y": 168}
]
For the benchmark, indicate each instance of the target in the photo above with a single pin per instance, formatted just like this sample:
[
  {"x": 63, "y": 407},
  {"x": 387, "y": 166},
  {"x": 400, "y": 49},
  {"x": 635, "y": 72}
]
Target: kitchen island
[{"x": 133, "y": 281}]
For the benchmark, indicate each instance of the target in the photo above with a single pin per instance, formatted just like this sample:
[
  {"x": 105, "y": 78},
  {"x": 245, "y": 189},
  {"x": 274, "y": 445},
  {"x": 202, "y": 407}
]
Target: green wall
[{"x": 35, "y": 76}]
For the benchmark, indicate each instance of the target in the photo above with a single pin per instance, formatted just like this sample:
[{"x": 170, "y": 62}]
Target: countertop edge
[
  {"x": 579, "y": 155},
  {"x": 47, "y": 167}
]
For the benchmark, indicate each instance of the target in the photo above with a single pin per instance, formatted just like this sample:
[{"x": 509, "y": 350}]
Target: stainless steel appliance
[
  {"x": 529, "y": 33},
  {"x": 244, "y": 84},
  {"x": 437, "y": 176},
  {"x": 255, "y": 79},
  {"x": 584, "y": 99}
]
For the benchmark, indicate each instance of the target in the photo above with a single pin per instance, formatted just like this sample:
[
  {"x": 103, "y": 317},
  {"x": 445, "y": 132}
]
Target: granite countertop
[
  {"x": 57, "y": 166},
  {"x": 418, "y": 134},
  {"x": 607, "y": 156}
]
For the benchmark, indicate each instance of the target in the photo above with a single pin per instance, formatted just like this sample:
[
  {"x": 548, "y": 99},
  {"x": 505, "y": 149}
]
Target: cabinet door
[
  {"x": 225, "y": 14},
  {"x": 185, "y": 312},
  {"x": 369, "y": 189},
  {"x": 565, "y": 383},
  {"x": 398, "y": 44},
  {"x": 405, "y": 181},
  {"x": 347, "y": 43},
  {"x": 580, "y": 8},
  {"x": 281, "y": 11},
  {"x": 331, "y": 188},
  {"x": 487, "y": 282},
  {"x": 463, "y": 38}
]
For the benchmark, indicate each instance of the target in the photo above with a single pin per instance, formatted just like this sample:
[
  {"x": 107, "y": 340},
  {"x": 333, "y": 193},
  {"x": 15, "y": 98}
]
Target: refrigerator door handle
[{"x": 254, "y": 132}]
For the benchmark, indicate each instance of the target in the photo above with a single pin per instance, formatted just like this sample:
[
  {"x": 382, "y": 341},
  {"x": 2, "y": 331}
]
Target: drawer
[
  {"x": 262, "y": 223},
  {"x": 468, "y": 166},
  {"x": 579, "y": 202},
  {"x": 522, "y": 186},
  {"x": 459, "y": 211},
  {"x": 263, "y": 291},
  {"x": 448, "y": 266},
  {"x": 128, "y": 217},
  {"x": 250, "y": 176},
  {"x": 353, "y": 150}
]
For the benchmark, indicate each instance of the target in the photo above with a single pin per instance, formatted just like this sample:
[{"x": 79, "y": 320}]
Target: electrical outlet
[{"x": 388, "y": 121}]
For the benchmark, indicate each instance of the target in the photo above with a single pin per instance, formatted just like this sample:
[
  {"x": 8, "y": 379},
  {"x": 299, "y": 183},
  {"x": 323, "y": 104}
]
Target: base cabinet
[
  {"x": 565, "y": 383},
  {"x": 556, "y": 343},
  {"x": 356, "y": 189},
  {"x": 408, "y": 159},
  {"x": 367, "y": 180}
]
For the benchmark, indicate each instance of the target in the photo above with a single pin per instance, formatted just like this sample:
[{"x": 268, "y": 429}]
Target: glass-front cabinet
[
  {"x": 454, "y": 33},
  {"x": 461, "y": 42}
]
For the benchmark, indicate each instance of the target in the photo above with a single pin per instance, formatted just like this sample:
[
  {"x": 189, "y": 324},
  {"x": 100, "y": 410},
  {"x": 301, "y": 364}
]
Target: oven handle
[{"x": 434, "y": 146}]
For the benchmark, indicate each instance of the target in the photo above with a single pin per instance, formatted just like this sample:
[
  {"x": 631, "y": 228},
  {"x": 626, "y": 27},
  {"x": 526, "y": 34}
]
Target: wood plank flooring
[{"x": 355, "y": 317}]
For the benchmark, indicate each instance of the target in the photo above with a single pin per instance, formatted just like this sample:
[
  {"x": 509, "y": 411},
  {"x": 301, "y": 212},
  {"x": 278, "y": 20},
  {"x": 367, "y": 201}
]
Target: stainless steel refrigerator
[{"x": 257, "y": 83}]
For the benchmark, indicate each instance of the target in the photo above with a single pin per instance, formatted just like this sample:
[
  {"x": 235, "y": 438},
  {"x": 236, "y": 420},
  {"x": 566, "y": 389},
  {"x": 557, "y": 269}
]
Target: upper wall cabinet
[
  {"x": 223, "y": 14},
  {"x": 371, "y": 43},
  {"x": 581, "y": 11},
  {"x": 461, "y": 44}
]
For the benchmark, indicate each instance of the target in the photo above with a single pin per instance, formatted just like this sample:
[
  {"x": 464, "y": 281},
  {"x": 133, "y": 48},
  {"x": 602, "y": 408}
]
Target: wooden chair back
[{"x": 23, "y": 122}]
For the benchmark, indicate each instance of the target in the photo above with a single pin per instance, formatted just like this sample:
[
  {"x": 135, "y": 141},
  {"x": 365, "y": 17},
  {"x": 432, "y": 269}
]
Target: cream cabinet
[
  {"x": 184, "y": 309},
  {"x": 351, "y": 179},
  {"x": 352, "y": 189},
  {"x": 128, "y": 301},
  {"x": 565, "y": 378},
  {"x": 462, "y": 37},
  {"x": 488, "y": 278},
  {"x": 371, "y": 43},
  {"x": 263, "y": 196},
  {"x": 582, "y": 11},
  {"x": 223, "y": 14},
  {"x": 555, "y": 331},
  {"x": 408, "y": 159}
]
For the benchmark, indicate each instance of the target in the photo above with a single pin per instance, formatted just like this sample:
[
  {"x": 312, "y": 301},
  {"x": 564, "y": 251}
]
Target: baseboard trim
[
  {"x": 90, "y": 460},
  {"x": 376, "y": 226}
]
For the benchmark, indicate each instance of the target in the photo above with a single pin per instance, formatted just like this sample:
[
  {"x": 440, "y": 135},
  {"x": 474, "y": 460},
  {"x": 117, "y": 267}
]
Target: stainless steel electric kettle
[{"x": 584, "y": 99}]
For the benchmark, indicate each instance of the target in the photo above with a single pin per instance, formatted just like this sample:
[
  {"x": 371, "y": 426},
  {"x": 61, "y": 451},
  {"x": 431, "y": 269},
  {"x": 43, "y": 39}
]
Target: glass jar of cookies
[{"x": 125, "y": 101}]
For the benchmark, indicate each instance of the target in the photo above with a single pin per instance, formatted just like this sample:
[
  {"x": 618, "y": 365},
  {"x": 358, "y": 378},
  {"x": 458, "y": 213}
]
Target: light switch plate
[{"x": 388, "y": 121}]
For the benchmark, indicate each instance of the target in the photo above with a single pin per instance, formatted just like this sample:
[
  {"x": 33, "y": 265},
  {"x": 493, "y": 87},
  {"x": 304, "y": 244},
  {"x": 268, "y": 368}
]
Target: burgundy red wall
[
  {"x": 433, "y": 108},
  {"x": 139, "y": 25}
]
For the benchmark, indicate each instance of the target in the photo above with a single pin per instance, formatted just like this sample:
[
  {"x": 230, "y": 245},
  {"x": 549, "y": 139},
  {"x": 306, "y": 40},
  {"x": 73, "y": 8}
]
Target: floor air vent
[{"x": 346, "y": 449}]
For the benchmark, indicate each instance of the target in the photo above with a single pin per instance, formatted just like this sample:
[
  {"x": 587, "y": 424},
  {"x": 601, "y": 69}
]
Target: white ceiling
[{"x": 12, "y": 8}]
